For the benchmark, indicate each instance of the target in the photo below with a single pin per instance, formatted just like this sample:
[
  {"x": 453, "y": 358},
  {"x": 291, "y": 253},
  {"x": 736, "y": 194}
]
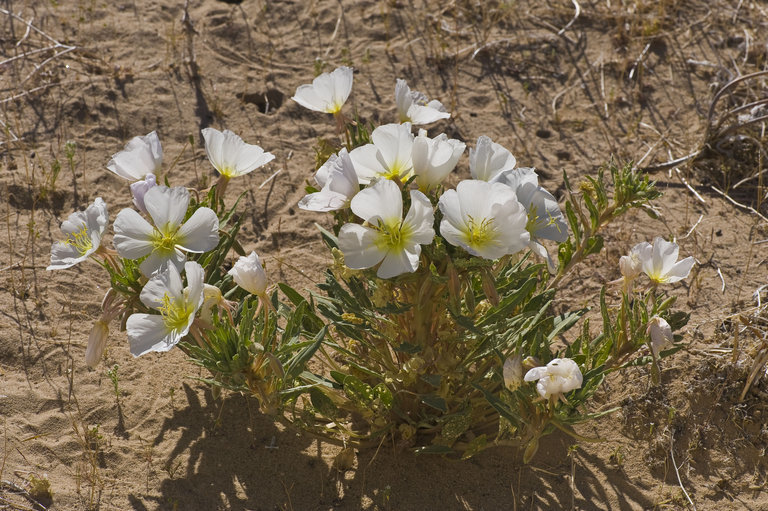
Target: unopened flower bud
[
  {"x": 661, "y": 335},
  {"x": 211, "y": 298},
  {"x": 97, "y": 341},
  {"x": 630, "y": 266},
  {"x": 249, "y": 274},
  {"x": 513, "y": 372},
  {"x": 140, "y": 188}
]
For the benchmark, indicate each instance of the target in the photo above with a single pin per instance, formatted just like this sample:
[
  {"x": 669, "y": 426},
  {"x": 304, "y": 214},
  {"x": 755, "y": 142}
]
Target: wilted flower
[
  {"x": 513, "y": 372},
  {"x": 631, "y": 265},
  {"x": 485, "y": 219},
  {"x": 559, "y": 376},
  {"x": 249, "y": 274},
  {"x": 661, "y": 335},
  {"x": 177, "y": 307},
  {"x": 232, "y": 157},
  {"x": 434, "y": 158},
  {"x": 140, "y": 188},
  {"x": 488, "y": 160},
  {"x": 660, "y": 261},
  {"x": 389, "y": 156},
  {"x": 339, "y": 184},
  {"x": 545, "y": 219},
  {"x": 84, "y": 230},
  {"x": 97, "y": 341},
  {"x": 166, "y": 241},
  {"x": 328, "y": 92},
  {"x": 141, "y": 156},
  {"x": 414, "y": 107},
  {"x": 388, "y": 238}
]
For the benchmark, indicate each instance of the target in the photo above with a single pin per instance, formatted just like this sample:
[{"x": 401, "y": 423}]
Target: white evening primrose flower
[
  {"x": 434, "y": 158},
  {"x": 488, "y": 160},
  {"x": 84, "y": 230},
  {"x": 141, "y": 156},
  {"x": 249, "y": 274},
  {"x": 177, "y": 307},
  {"x": 559, "y": 376},
  {"x": 414, "y": 107},
  {"x": 230, "y": 156},
  {"x": 328, "y": 91},
  {"x": 660, "y": 262},
  {"x": 388, "y": 237},
  {"x": 388, "y": 157},
  {"x": 170, "y": 237},
  {"x": 339, "y": 184},
  {"x": 661, "y": 335},
  {"x": 485, "y": 219},
  {"x": 97, "y": 341},
  {"x": 545, "y": 219}
]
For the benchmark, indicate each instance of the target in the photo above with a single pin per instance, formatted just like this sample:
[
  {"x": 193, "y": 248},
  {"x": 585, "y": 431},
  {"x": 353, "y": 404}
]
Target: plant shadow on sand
[{"x": 230, "y": 456}]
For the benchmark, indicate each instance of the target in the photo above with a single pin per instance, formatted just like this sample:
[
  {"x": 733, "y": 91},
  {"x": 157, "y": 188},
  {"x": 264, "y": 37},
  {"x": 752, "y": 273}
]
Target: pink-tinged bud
[
  {"x": 97, "y": 341},
  {"x": 140, "y": 188},
  {"x": 661, "y": 335}
]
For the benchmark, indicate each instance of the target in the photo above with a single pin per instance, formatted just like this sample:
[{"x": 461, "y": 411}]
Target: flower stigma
[
  {"x": 164, "y": 241},
  {"x": 480, "y": 234}
]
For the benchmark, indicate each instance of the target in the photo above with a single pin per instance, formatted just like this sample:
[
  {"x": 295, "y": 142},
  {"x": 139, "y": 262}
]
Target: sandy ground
[{"x": 628, "y": 79}]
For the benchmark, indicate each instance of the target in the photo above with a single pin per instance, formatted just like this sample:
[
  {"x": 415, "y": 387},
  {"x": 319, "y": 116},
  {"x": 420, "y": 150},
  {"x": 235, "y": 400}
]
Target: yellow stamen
[
  {"x": 80, "y": 240},
  {"x": 175, "y": 313},
  {"x": 393, "y": 235},
  {"x": 165, "y": 241},
  {"x": 481, "y": 233}
]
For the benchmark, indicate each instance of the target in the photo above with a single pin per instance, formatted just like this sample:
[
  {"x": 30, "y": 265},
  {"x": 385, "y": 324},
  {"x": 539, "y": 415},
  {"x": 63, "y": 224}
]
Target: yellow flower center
[
  {"x": 393, "y": 235},
  {"x": 165, "y": 241},
  {"x": 80, "y": 240},
  {"x": 175, "y": 313},
  {"x": 480, "y": 233},
  {"x": 398, "y": 171}
]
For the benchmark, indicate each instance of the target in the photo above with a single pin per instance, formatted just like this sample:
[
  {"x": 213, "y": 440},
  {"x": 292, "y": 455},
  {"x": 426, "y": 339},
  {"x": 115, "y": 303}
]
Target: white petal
[
  {"x": 249, "y": 274},
  {"x": 200, "y": 233},
  {"x": 366, "y": 163},
  {"x": 97, "y": 217},
  {"x": 422, "y": 114},
  {"x": 489, "y": 159},
  {"x": 307, "y": 97},
  {"x": 132, "y": 235},
  {"x": 147, "y": 332},
  {"x": 141, "y": 156},
  {"x": 382, "y": 201},
  {"x": 214, "y": 139},
  {"x": 402, "y": 99},
  {"x": 167, "y": 206},
  {"x": 398, "y": 262},
  {"x": 680, "y": 270},
  {"x": 341, "y": 79},
  {"x": 664, "y": 254},
  {"x": 230, "y": 155},
  {"x": 394, "y": 143},
  {"x": 358, "y": 244},
  {"x": 193, "y": 294},
  {"x": 420, "y": 218},
  {"x": 536, "y": 373},
  {"x": 160, "y": 261},
  {"x": 323, "y": 201},
  {"x": 64, "y": 255}
]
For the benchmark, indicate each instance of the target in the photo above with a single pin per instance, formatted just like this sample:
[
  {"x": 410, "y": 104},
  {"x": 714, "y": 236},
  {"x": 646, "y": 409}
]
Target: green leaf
[
  {"x": 297, "y": 363},
  {"x": 435, "y": 401}
]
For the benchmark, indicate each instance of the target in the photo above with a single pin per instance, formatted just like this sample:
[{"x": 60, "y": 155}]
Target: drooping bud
[
  {"x": 249, "y": 274},
  {"x": 661, "y": 335},
  {"x": 97, "y": 341}
]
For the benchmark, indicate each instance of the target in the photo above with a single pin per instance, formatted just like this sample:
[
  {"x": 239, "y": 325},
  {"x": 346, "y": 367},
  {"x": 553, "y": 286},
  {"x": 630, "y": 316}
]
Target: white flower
[
  {"x": 661, "y": 335},
  {"x": 328, "y": 92},
  {"x": 164, "y": 243},
  {"x": 485, "y": 219},
  {"x": 660, "y": 262},
  {"x": 140, "y": 188},
  {"x": 339, "y": 184},
  {"x": 84, "y": 230},
  {"x": 232, "y": 157},
  {"x": 141, "y": 156},
  {"x": 414, "y": 107},
  {"x": 559, "y": 376},
  {"x": 488, "y": 160},
  {"x": 389, "y": 156},
  {"x": 97, "y": 341},
  {"x": 249, "y": 274},
  {"x": 545, "y": 219},
  {"x": 388, "y": 238},
  {"x": 513, "y": 372},
  {"x": 177, "y": 307},
  {"x": 434, "y": 158}
]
